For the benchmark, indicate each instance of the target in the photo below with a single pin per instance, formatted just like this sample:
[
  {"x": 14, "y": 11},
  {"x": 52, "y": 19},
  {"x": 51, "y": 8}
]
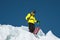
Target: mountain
[{"x": 9, "y": 32}]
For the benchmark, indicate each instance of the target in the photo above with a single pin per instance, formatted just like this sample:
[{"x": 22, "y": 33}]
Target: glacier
[{"x": 9, "y": 32}]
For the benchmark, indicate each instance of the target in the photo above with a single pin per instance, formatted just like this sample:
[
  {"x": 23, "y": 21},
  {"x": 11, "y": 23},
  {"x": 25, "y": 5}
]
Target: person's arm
[
  {"x": 37, "y": 21},
  {"x": 28, "y": 15}
]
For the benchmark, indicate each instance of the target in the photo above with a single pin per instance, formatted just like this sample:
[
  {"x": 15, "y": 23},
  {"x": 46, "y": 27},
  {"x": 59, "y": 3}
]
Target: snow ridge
[{"x": 9, "y": 32}]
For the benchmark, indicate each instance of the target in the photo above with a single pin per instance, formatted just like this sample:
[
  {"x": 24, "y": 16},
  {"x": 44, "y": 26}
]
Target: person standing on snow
[{"x": 31, "y": 21}]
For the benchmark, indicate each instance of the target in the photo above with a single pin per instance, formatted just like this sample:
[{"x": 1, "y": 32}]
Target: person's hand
[{"x": 38, "y": 22}]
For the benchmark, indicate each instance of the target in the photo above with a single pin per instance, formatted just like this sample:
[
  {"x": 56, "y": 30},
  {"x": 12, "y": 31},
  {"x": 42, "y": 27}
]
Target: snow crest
[{"x": 9, "y": 32}]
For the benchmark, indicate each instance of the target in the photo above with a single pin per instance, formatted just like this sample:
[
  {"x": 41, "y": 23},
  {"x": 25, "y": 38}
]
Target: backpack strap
[{"x": 29, "y": 17}]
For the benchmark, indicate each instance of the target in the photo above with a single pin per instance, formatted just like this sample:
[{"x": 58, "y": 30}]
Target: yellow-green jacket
[{"x": 31, "y": 18}]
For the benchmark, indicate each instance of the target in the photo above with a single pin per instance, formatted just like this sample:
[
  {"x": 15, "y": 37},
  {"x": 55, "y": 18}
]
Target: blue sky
[{"x": 13, "y": 12}]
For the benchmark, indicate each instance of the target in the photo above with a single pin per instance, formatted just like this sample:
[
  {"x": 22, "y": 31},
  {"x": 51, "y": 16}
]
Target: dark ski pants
[{"x": 31, "y": 27}]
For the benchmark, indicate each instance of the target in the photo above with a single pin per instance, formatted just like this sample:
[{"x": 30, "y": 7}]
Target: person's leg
[{"x": 31, "y": 27}]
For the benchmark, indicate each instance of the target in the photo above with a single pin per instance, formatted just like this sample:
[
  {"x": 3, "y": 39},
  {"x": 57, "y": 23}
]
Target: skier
[{"x": 31, "y": 21}]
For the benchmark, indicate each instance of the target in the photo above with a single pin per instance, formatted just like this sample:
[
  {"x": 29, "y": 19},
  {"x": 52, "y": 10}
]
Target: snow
[{"x": 9, "y": 32}]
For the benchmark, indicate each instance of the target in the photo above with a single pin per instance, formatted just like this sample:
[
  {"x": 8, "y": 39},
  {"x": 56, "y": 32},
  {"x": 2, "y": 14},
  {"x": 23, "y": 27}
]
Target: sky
[{"x": 13, "y": 12}]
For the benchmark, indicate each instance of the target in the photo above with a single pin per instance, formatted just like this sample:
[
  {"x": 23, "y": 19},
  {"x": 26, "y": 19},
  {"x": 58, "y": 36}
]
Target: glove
[{"x": 38, "y": 22}]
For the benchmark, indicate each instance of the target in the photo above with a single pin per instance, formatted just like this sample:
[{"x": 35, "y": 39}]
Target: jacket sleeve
[
  {"x": 28, "y": 15},
  {"x": 35, "y": 20}
]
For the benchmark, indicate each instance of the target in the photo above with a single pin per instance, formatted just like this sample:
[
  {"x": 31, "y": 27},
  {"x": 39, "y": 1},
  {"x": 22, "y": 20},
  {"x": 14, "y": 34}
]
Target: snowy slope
[{"x": 9, "y": 32}]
